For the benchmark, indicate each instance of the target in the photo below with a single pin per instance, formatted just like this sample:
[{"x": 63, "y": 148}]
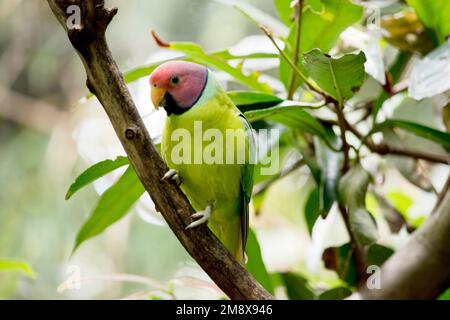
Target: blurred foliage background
[
  {"x": 41, "y": 81},
  {"x": 49, "y": 133}
]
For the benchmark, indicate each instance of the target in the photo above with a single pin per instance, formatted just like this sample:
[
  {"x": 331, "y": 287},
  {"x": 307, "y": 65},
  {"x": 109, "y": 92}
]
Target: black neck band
[{"x": 170, "y": 105}]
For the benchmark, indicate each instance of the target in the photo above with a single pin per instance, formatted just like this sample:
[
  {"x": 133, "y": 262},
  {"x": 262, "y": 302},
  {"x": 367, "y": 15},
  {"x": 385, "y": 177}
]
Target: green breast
[{"x": 191, "y": 144}]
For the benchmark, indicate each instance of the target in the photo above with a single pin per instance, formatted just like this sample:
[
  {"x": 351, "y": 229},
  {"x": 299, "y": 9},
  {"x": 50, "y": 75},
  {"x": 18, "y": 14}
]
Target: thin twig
[
  {"x": 298, "y": 34},
  {"x": 260, "y": 188},
  {"x": 358, "y": 251},
  {"x": 106, "y": 82},
  {"x": 309, "y": 84}
]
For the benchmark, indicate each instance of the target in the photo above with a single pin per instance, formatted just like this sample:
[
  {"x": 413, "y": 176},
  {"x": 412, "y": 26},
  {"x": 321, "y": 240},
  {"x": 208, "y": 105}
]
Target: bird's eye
[{"x": 174, "y": 80}]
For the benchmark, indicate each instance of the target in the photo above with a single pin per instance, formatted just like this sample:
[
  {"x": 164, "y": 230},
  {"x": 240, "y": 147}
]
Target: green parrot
[{"x": 216, "y": 171}]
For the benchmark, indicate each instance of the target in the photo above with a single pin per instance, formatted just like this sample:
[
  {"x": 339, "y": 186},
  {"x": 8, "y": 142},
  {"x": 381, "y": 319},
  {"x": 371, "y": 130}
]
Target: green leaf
[
  {"x": 17, "y": 266},
  {"x": 303, "y": 145},
  {"x": 329, "y": 163},
  {"x": 286, "y": 11},
  {"x": 435, "y": 15},
  {"x": 363, "y": 225},
  {"x": 293, "y": 116},
  {"x": 445, "y": 295},
  {"x": 339, "y": 293},
  {"x": 325, "y": 167},
  {"x": 255, "y": 264},
  {"x": 312, "y": 209},
  {"x": 352, "y": 193},
  {"x": 144, "y": 71},
  {"x": 94, "y": 172},
  {"x": 140, "y": 72},
  {"x": 341, "y": 78},
  {"x": 315, "y": 5},
  {"x": 196, "y": 54},
  {"x": 322, "y": 29},
  {"x": 297, "y": 287},
  {"x": 440, "y": 137},
  {"x": 341, "y": 260},
  {"x": 113, "y": 204},
  {"x": 251, "y": 100},
  {"x": 378, "y": 254},
  {"x": 400, "y": 201}
]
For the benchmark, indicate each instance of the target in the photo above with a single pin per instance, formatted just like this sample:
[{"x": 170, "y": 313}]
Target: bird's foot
[
  {"x": 203, "y": 215},
  {"x": 173, "y": 175}
]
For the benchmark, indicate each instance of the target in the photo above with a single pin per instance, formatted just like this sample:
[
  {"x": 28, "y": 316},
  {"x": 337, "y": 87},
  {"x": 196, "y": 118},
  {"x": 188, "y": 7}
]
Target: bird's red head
[{"x": 177, "y": 85}]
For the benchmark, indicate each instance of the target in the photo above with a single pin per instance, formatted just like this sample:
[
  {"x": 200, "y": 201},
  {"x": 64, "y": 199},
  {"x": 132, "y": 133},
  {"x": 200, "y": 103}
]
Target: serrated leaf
[
  {"x": 94, "y": 172},
  {"x": 255, "y": 264},
  {"x": 17, "y": 266},
  {"x": 341, "y": 78},
  {"x": 370, "y": 44},
  {"x": 440, "y": 137},
  {"x": 320, "y": 29},
  {"x": 352, "y": 193},
  {"x": 113, "y": 204}
]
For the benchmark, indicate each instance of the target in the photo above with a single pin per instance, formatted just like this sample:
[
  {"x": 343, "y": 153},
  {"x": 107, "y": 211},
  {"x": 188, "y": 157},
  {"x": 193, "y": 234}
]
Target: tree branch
[
  {"x": 105, "y": 81},
  {"x": 384, "y": 149},
  {"x": 420, "y": 269},
  {"x": 299, "y": 7}
]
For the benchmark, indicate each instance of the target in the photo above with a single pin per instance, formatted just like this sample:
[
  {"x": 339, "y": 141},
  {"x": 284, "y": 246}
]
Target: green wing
[{"x": 247, "y": 179}]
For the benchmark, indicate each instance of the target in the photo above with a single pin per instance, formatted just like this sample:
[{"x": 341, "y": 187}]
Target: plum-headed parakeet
[{"x": 216, "y": 170}]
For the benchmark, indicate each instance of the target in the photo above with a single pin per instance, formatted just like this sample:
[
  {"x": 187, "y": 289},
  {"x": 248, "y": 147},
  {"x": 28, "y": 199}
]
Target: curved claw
[
  {"x": 169, "y": 174},
  {"x": 173, "y": 175},
  {"x": 203, "y": 215}
]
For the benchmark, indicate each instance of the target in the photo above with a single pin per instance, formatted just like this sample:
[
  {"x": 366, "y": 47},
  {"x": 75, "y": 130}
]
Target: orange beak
[{"x": 157, "y": 95}]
